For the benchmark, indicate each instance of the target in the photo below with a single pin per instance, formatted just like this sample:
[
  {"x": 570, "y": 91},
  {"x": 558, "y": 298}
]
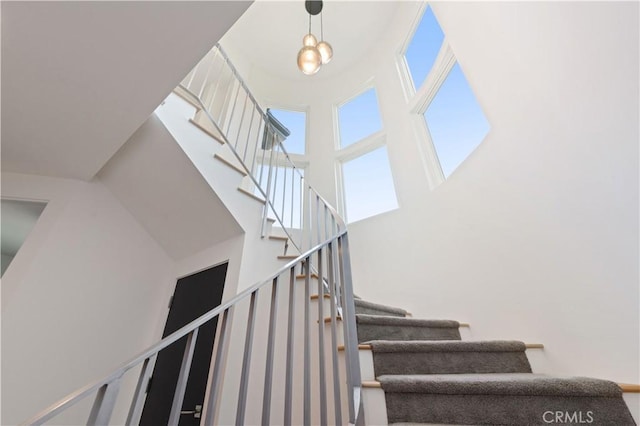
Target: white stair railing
[
  {"x": 215, "y": 86},
  {"x": 256, "y": 142}
]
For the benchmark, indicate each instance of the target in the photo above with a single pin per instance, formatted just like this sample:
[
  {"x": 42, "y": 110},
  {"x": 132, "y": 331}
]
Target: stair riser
[
  {"x": 368, "y": 332},
  {"x": 450, "y": 362},
  {"x": 505, "y": 409}
]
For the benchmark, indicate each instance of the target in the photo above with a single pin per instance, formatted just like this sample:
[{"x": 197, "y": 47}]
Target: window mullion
[{"x": 438, "y": 74}]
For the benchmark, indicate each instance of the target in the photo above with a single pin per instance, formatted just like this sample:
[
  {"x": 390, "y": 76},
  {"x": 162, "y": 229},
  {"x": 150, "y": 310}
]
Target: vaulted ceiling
[{"x": 270, "y": 33}]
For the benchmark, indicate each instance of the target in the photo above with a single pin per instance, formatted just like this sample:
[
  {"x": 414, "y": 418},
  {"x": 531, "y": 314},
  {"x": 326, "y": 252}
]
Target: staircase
[
  {"x": 430, "y": 376},
  {"x": 288, "y": 348}
]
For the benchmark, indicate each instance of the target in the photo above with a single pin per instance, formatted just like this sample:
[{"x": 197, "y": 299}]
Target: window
[
  {"x": 455, "y": 121},
  {"x": 424, "y": 47},
  {"x": 448, "y": 113},
  {"x": 295, "y": 122},
  {"x": 358, "y": 118},
  {"x": 368, "y": 185},
  {"x": 367, "y": 181}
]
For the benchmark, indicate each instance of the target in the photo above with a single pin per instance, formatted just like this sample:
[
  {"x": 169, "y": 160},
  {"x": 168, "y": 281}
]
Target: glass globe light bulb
[
  {"x": 309, "y": 40},
  {"x": 326, "y": 51},
  {"x": 309, "y": 60}
]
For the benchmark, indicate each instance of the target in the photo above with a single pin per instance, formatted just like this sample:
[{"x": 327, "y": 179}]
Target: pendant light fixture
[
  {"x": 314, "y": 54},
  {"x": 325, "y": 49}
]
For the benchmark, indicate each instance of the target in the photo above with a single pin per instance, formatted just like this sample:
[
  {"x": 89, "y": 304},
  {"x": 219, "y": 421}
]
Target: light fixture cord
[
  {"x": 321, "y": 28},
  {"x": 309, "y": 23}
]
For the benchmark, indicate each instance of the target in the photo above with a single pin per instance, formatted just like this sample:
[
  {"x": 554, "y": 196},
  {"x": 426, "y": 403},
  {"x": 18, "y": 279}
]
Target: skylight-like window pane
[
  {"x": 455, "y": 121},
  {"x": 294, "y": 121},
  {"x": 368, "y": 185},
  {"x": 359, "y": 118},
  {"x": 424, "y": 47}
]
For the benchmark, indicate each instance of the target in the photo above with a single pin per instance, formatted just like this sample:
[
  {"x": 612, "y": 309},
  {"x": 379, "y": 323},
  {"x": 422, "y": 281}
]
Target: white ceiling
[
  {"x": 78, "y": 78},
  {"x": 18, "y": 218},
  {"x": 270, "y": 34}
]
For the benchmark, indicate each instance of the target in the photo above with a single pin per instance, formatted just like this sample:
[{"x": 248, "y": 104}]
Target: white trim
[
  {"x": 404, "y": 75},
  {"x": 442, "y": 66},
  {"x": 408, "y": 85},
  {"x": 335, "y": 125},
  {"x": 428, "y": 154},
  {"x": 340, "y": 195},
  {"x": 365, "y": 87},
  {"x": 363, "y": 146}
]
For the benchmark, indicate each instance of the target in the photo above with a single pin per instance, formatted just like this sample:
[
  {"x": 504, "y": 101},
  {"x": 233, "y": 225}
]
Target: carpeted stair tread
[
  {"x": 389, "y": 346},
  {"x": 502, "y": 399},
  {"x": 405, "y": 322},
  {"x": 370, "y": 308},
  {"x": 500, "y": 384},
  {"x": 376, "y": 327},
  {"x": 430, "y": 377},
  {"x": 421, "y": 424},
  {"x": 449, "y": 357}
]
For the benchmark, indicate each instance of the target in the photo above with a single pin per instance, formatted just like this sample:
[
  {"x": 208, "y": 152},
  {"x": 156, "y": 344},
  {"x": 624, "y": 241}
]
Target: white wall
[
  {"x": 105, "y": 297},
  {"x": 535, "y": 236},
  {"x": 85, "y": 293}
]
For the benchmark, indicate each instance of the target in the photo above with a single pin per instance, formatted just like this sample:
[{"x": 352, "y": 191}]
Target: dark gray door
[{"x": 194, "y": 296}]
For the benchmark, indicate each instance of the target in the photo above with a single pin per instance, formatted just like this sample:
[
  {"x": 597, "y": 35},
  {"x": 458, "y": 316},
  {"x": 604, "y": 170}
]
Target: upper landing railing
[
  {"x": 323, "y": 267},
  {"x": 256, "y": 141}
]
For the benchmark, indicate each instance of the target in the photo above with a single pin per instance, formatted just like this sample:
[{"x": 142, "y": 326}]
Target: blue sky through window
[
  {"x": 295, "y": 121},
  {"x": 424, "y": 47},
  {"x": 359, "y": 118},
  {"x": 368, "y": 185},
  {"x": 455, "y": 120}
]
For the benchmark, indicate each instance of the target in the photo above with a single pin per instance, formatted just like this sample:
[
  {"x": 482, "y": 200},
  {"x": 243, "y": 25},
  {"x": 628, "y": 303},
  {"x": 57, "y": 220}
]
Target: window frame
[
  {"x": 419, "y": 99},
  {"x": 369, "y": 143},
  {"x": 337, "y": 137}
]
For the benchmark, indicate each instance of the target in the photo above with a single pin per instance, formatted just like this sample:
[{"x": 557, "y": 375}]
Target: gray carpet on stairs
[
  {"x": 449, "y": 357},
  {"x": 374, "y": 327},
  {"x": 369, "y": 308},
  {"x": 502, "y": 399},
  {"x": 430, "y": 376}
]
